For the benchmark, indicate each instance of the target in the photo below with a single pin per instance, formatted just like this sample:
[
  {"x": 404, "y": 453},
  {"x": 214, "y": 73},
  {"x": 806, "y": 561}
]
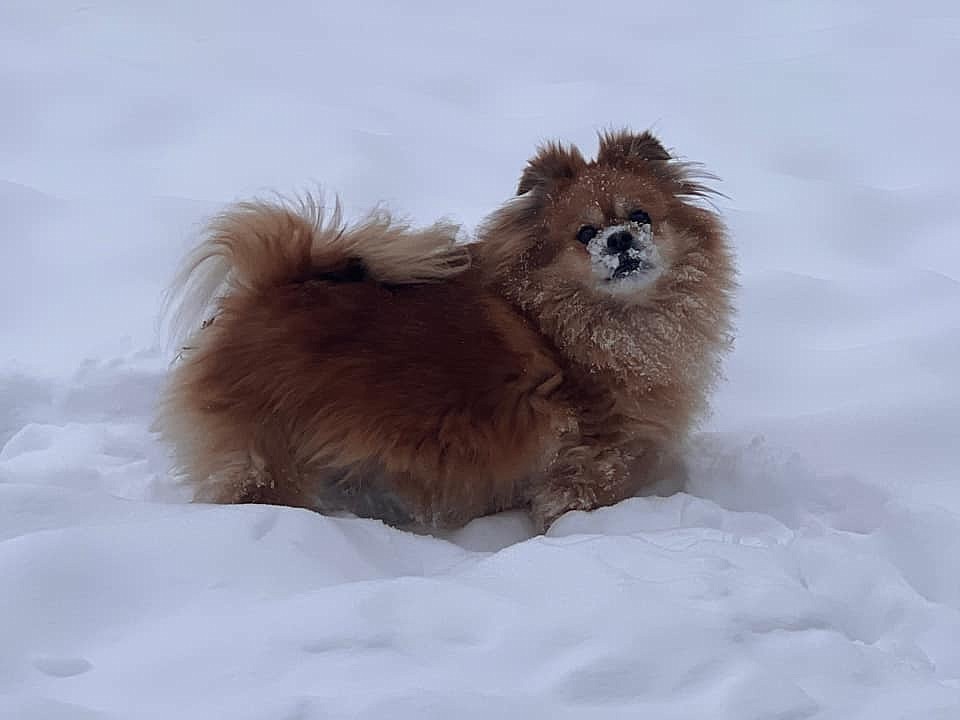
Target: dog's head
[{"x": 615, "y": 224}]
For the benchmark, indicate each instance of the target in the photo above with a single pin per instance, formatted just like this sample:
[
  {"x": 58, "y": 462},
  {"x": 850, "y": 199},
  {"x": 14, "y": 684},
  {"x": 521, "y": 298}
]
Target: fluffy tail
[{"x": 256, "y": 245}]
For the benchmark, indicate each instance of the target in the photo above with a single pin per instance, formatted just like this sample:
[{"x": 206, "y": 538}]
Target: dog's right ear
[{"x": 553, "y": 165}]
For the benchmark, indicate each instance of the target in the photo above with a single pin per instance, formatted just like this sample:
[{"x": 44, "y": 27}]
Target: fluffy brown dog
[{"x": 552, "y": 364}]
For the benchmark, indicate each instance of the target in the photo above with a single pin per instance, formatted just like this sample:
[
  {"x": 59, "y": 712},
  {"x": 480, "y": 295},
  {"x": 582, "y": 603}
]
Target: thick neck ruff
[{"x": 673, "y": 336}]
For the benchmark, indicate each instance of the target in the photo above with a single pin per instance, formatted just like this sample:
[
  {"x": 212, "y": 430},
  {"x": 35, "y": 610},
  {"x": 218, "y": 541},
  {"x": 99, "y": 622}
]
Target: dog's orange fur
[{"x": 395, "y": 374}]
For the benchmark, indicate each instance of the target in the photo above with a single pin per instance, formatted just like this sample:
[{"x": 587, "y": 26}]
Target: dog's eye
[
  {"x": 639, "y": 216},
  {"x": 586, "y": 234}
]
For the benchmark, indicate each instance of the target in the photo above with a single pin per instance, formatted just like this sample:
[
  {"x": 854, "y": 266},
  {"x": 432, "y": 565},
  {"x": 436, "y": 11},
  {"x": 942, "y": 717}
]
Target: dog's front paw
[{"x": 549, "y": 505}]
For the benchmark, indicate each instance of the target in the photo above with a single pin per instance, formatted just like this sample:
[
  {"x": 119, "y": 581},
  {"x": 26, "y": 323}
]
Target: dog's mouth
[
  {"x": 624, "y": 257},
  {"x": 629, "y": 263}
]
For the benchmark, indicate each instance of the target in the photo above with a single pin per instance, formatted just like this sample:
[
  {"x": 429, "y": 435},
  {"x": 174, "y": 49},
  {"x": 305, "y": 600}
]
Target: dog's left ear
[
  {"x": 625, "y": 149},
  {"x": 553, "y": 165}
]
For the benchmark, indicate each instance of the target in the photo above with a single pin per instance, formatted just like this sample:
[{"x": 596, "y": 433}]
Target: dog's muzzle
[{"x": 624, "y": 252}]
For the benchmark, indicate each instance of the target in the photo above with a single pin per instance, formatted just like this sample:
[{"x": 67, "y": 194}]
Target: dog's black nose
[{"x": 620, "y": 241}]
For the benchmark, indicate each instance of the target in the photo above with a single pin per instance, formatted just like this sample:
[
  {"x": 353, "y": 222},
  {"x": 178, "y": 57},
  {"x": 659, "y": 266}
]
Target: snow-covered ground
[{"x": 812, "y": 568}]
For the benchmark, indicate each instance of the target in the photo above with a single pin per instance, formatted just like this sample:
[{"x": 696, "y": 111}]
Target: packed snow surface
[{"x": 809, "y": 569}]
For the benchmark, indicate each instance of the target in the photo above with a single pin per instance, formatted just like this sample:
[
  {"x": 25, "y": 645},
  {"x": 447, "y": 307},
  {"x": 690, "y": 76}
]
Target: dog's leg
[
  {"x": 581, "y": 478},
  {"x": 592, "y": 475},
  {"x": 246, "y": 465},
  {"x": 362, "y": 490},
  {"x": 244, "y": 477}
]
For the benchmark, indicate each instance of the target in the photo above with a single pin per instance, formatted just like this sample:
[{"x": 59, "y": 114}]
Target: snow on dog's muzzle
[{"x": 624, "y": 257}]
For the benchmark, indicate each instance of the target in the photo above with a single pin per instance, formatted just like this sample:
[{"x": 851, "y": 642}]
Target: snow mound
[{"x": 767, "y": 590}]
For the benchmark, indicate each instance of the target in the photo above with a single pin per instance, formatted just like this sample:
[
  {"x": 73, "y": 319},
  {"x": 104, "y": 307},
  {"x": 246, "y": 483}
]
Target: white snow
[{"x": 810, "y": 570}]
